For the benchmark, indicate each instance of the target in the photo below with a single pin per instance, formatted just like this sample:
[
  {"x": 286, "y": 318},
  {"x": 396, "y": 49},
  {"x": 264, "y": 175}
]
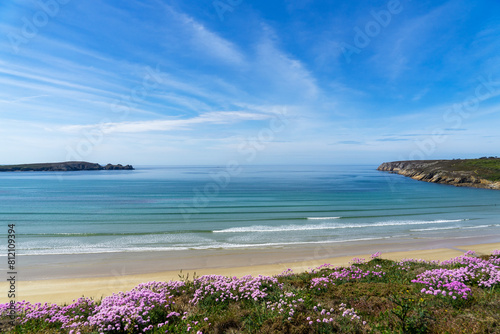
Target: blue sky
[{"x": 251, "y": 82}]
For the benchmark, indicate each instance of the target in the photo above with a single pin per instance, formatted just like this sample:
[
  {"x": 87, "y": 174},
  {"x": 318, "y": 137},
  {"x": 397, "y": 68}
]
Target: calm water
[{"x": 162, "y": 208}]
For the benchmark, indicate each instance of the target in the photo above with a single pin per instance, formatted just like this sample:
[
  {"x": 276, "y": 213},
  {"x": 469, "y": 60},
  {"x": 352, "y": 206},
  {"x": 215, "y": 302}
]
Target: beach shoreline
[{"x": 63, "y": 278}]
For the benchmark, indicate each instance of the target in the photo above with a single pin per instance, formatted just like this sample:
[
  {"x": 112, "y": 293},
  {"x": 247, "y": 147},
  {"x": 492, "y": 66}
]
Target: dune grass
[{"x": 461, "y": 295}]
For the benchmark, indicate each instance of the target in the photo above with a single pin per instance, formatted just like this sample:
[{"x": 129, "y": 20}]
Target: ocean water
[{"x": 174, "y": 208}]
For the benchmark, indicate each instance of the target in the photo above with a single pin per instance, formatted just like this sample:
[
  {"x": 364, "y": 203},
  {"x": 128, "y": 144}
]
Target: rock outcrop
[
  {"x": 62, "y": 167},
  {"x": 478, "y": 173}
]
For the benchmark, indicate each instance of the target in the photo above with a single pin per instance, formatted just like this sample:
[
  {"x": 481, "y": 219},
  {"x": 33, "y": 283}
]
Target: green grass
[
  {"x": 27, "y": 167},
  {"x": 23, "y": 166},
  {"x": 387, "y": 304},
  {"x": 484, "y": 168}
]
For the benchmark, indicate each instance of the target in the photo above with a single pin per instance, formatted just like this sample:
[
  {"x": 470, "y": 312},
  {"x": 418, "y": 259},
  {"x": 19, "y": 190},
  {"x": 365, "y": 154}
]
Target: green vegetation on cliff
[
  {"x": 481, "y": 173},
  {"x": 486, "y": 168},
  {"x": 61, "y": 167}
]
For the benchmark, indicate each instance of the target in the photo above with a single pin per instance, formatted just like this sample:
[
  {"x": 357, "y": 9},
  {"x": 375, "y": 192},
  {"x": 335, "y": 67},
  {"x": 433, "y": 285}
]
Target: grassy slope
[
  {"x": 32, "y": 166},
  {"x": 484, "y": 168},
  {"x": 26, "y": 165},
  {"x": 48, "y": 166},
  {"x": 488, "y": 169},
  {"x": 388, "y": 304}
]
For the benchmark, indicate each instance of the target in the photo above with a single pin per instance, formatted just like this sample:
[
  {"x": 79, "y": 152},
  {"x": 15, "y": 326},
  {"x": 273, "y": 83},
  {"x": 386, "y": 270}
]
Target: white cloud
[
  {"x": 285, "y": 71},
  {"x": 204, "y": 40},
  {"x": 420, "y": 94},
  {"x": 24, "y": 98},
  {"x": 25, "y": 76},
  {"x": 219, "y": 117},
  {"x": 213, "y": 44}
]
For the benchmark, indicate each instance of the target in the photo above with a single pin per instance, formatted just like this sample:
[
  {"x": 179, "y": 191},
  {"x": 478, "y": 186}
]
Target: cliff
[
  {"x": 478, "y": 173},
  {"x": 62, "y": 167}
]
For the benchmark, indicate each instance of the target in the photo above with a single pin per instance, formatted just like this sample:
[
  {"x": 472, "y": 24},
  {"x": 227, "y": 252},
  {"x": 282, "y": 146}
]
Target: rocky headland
[
  {"x": 62, "y": 167},
  {"x": 477, "y": 173}
]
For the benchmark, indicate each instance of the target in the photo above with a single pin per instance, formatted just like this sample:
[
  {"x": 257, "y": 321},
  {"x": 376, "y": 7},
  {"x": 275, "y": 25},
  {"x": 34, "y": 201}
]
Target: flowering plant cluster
[
  {"x": 134, "y": 310},
  {"x": 286, "y": 273},
  {"x": 358, "y": 260},
  {"x": 444, "y": 282},
  {"x": 320, "y": 268},
  {"x": 354, "y": 273},
  {"x": 71, "y": 316},
  {"x": 343, "y": 274},
  {"x": 467, "y": 270},
  {"x": 404, "y": 262},
  {"x": 83, "y": 314},
  {"x": 139, "y": 310},
  {"x": 286, "y": 305},
  {"x": 324, "y": 315},
  {"x": 321, "y": 282},
  {"x": 223, "y": 288}
]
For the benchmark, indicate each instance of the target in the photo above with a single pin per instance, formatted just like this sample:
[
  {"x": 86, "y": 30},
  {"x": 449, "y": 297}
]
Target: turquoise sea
[{"x": 205, "y": 207}]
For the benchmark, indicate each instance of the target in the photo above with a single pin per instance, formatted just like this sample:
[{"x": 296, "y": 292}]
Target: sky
[{"x": 224, "y": 82}]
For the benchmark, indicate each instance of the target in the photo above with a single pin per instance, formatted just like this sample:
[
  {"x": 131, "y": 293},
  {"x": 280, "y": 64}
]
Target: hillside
[
  {"x": 61, "y": 167},
  {"x": 478, "y": 173}
]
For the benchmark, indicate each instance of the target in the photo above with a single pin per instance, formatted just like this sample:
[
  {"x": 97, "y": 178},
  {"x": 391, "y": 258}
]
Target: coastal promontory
[
  {"x": 478, "y": 173},
  {"x": 62, "y": 167}
]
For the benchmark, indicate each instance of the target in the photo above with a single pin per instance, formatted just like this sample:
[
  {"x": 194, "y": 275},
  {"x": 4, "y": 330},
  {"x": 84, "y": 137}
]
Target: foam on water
[
  {"x": 79, "y": 250},
  {"x": 433, "y": 229},
  {"x": 478, "y": 226},
  {"x": 331, "y": 226}
]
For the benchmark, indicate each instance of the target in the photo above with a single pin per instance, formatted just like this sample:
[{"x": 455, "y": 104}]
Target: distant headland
[
  {"x": 62, "y": 167},
  {"x": 478, "y": 173}
]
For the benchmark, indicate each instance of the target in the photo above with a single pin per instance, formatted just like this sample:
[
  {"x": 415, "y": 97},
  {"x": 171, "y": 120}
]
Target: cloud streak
[{"x": 221, "y": 117}]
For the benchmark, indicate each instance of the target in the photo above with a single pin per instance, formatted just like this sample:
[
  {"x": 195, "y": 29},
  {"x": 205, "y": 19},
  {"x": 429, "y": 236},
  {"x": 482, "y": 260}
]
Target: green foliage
[
  {"x": 412, "y": 313},
  {"x": 487, "y": 168}
]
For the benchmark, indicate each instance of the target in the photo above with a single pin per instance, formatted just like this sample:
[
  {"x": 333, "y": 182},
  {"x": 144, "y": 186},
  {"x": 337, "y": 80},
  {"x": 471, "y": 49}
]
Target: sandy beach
[{"x": 61, "y": 279}]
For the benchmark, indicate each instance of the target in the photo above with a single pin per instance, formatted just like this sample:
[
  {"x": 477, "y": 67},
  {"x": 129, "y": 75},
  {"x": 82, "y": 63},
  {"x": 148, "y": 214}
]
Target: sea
[{"x": 162, "y": 208}]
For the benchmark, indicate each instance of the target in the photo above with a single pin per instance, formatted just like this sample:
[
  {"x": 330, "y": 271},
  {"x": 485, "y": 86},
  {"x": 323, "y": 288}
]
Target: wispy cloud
[
  {"x": 458, "y": 129},
  {"x": 350, "y": 142},
  {"x": 213, "y": 44},
  {"x": 420, "y": 94},
  {"x": 392, "y": 139},
  {"x": 24, "y": 98},
  {"x": 222, "y": 117},
  {"x": 202, "y": 39},
  {"x": 284, "y": 71}
]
